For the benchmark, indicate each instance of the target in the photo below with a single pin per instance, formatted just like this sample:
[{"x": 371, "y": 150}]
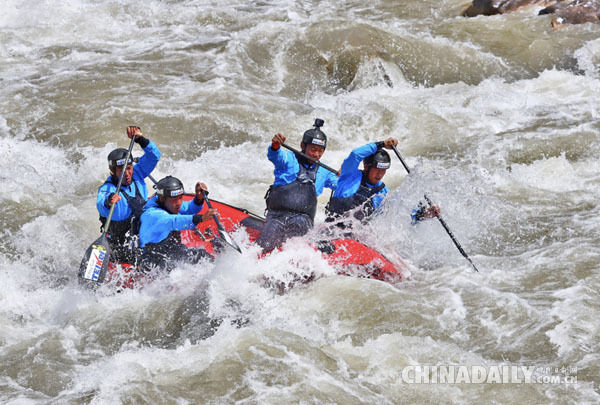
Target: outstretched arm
[{"x": 151, "y": 156}]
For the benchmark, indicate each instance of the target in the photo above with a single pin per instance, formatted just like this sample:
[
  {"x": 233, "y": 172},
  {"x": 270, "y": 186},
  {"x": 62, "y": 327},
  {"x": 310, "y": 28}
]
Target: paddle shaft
[
  {"x": 304, "y": 155},
  {"x": 220, "y": 226},
  {"x": 444, "y": 224},
  {"x": 112, "y": 206}
]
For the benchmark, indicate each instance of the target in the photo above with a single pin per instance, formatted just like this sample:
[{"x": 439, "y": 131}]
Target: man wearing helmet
[
  {"x": 292, "y": 199},
  {"x": 361, "y": 192},
  {"x": 132, "y": 196},
  {"x": 165, "y": 216}
]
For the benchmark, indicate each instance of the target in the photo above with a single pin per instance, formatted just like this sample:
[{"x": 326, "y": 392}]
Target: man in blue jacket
[
  {"x": 292, "y": 199},
  {"x": 360, "y": 193},
  {"x": 131, "y": 198},
  {"x": 165, "y": 216}
]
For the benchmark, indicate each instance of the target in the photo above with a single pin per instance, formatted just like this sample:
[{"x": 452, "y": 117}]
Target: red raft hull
[{"x": 349, "y": 256}]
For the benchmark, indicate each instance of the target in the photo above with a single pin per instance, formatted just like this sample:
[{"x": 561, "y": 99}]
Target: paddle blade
[
  {"x": 94, "y": 265},
  {"x": 225, "y": 236}
]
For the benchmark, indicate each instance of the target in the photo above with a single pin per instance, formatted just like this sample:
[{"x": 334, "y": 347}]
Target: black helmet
[
  {"x": 315, "y": 136},
  {"x": 379, "y": 160},
  {"x": 169, "y": 187},
  {"x": 117, "y": 157}
]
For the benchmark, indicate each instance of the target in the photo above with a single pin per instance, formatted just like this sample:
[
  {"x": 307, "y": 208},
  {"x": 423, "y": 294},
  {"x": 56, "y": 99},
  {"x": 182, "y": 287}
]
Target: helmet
[
  {"x": 379, "y": 160},
  {"x": 169, "y": 187},
  {"x": 117, "y": 157},
  {"x": 315, "y": 136}
]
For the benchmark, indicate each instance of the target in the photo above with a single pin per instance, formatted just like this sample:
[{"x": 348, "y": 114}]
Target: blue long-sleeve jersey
[
  {"x": 287, "y": 166},
  {"x": 351, "y": 177},
  {"x": 157, "y": 222},
  {"x": 141, "y": 170}
]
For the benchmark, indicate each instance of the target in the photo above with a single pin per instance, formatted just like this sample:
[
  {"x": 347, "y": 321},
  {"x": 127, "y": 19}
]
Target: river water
[{"x": 499, "y": 117}]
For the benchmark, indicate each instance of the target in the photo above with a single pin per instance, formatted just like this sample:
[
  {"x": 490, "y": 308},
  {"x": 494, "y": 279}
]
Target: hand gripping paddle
[
  {"x": 94, "y": 265},
  {"x": 224, "y": 235}
]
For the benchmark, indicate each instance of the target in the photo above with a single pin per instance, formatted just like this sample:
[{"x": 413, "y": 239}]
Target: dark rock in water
[
  {"x": 493, "y": 7},
  {"x": 565, "y": 11},
  {"x": 575, "y": 12}
]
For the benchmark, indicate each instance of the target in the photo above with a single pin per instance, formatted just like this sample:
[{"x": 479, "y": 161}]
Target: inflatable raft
[{"x": 348, "y": 256}]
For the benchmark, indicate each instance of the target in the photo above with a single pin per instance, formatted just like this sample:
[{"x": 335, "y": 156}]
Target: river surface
[{"x": 499, "y": 118}]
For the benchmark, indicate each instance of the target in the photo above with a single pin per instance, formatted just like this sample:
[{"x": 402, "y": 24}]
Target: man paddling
[
  {"x": 292, "y": 199},
  {"x": 131, "y": 198},
  {"x": 165, "y": 216},
  {"x": 360, "y": 193}
]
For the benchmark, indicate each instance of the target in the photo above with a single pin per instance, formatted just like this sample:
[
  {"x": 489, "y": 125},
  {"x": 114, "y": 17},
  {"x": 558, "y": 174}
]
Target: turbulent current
[{"x": 498, "y": 117}]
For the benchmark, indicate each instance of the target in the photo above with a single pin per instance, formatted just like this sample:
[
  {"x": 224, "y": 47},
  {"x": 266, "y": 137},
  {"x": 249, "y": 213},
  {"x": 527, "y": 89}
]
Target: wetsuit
[
  {"x": 125, "y": 218},
  {"x": 160, "y": 234},
  {"x": 292, "y": 199}
]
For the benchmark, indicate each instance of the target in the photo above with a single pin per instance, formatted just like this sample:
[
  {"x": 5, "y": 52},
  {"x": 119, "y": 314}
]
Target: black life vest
[
  {"x": 338, "y": 206},
  {"x": 170, "y": 250},
  {"x": 118, "y": 229},
  {"x": 299, "y": 196},
  {"x": 158, "y": 254}
]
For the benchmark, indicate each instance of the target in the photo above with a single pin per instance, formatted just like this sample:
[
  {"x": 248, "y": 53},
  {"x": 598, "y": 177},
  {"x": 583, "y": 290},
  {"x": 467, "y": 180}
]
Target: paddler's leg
[
  {"x": 273, "y": 233},
  {"x": 196, "y": 255},
  {"x": 297, "y": 225}
]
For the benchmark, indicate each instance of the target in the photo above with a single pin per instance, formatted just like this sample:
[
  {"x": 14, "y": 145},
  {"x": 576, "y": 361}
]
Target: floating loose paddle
[
  {"x": 304, "y": 155},
  {"x": 224, "y": 235},
  {"x": 460, "y": 249},
  {"x": 94, "y": 265}
]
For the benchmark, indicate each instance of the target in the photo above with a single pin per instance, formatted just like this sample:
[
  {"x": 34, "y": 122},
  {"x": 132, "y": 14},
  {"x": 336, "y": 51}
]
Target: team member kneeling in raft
[
  {"x": 361, "y": 192},
  {"x": 130, "y": 201},
  {"x": 165, "y": 216},
  {"x": 292, "y": 199}
]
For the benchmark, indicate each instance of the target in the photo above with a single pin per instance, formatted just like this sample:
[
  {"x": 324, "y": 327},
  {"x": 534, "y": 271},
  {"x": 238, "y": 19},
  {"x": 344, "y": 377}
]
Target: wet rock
[
  {"x": 493, "y": 7},
  {"x": 565, "y": 11},
  {"x": 575, "y": 12}
]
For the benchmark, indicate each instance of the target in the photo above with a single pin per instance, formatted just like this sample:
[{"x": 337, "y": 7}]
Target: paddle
[
  {"x": 94, "y": 265},
  {"x": 224, "y": 235},
  {"x": 460, "y": 249},
  {"x": 323, "y": 165}
]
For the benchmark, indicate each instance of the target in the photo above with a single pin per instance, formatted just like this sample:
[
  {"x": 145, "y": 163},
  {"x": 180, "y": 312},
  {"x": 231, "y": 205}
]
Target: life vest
[
  {"x": 170, "y": 250},
  {"x": 158, "y": 254},
  {"x": 338, "y": 206},
  {"x": 299, "y": 196},
  {"x": 118, "y": 229}
]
